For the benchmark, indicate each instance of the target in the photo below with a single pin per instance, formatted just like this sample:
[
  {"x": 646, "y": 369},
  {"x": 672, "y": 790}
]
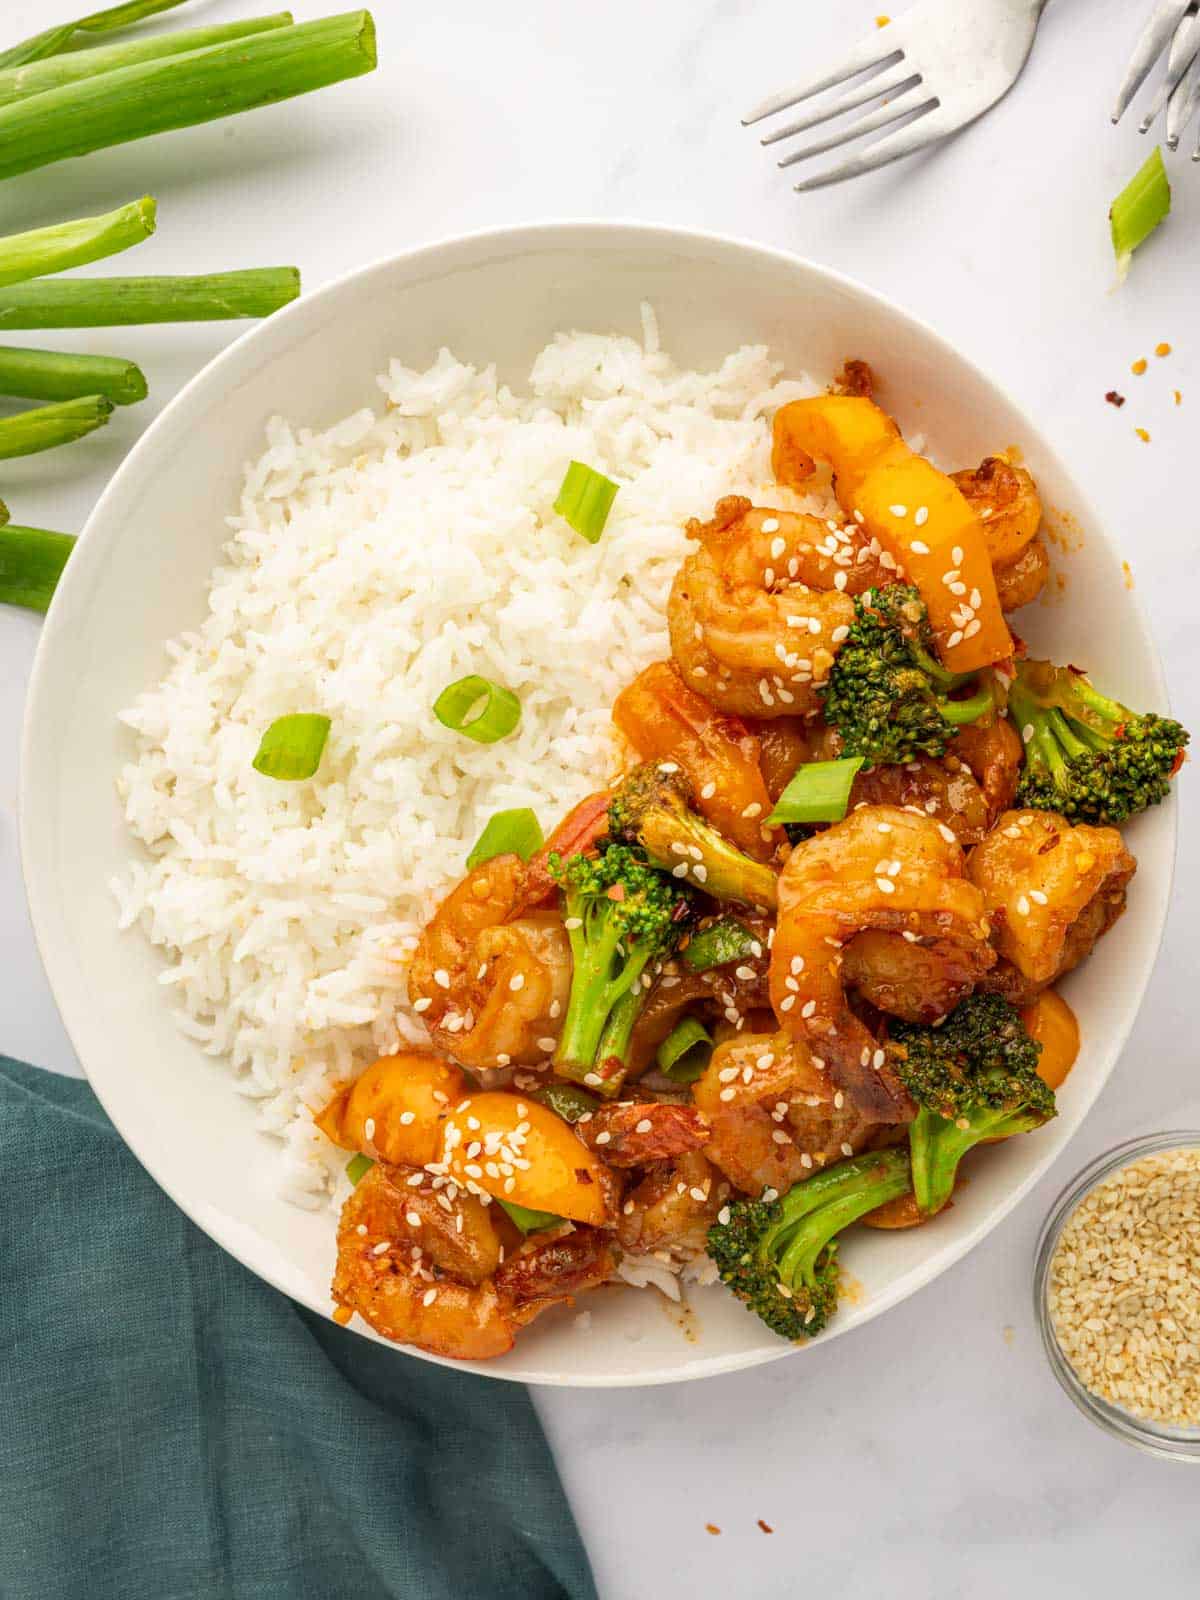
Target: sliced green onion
[
  {"x": 585, "y": 500},
  {"x": 58, "y": 38},
  {"x": 51, "y": 72},
  {"x": 47, "y": 426},
  {"x": 530, "y": 1221},
  {"x": 515, "y": 833},
  {"x": 31, "y": 563},
  {"x": 152, "y": 97},
  {"x": 684, "y": 1053},
  {"x": 1142, "y": 204},
  {"x": 357, "y": 1168},
  {"x": 107, "y": 302},
  {"x": 718, "y": 945},
  {"x": 74, "y": 244},
  {"x": 51, "y": 375},
  {"x": 820, "y": 792},
  {"x": 483, "y": 710},
  {"x": 292, "y": 747},
  {"x": 567, "y": 1100}
]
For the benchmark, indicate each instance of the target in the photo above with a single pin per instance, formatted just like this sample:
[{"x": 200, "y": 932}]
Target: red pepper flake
[
  {"x": 882, "y": 22},
  {"x": 765, "y": 1526},
  {"x": 617, "y": 892},
  {"x": 1115, "y": 399},
  {"x": 711, "y": 1527},
  {"x": 1139, "y": 366},
  {"x": 1178, "y": 393},
  {"x": 342, "y": 1315},
  {"x": 1142, "y": 435},
  {"x": 1163, "y": 349}
]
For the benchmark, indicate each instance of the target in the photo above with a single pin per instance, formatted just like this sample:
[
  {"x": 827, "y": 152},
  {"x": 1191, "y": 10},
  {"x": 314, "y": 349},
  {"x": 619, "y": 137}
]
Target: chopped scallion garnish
[
  {"x": 515, "y": 833},
  {"x": 483, "y": 710},
  {"x": 1139, "y": 208},
  {"x": 31, "y": 563},
  {"x": 585, "y": 500},
  {"x": 292, "y": 747},
  {"x": 684, "y": 1053},
  {"x": 357, "y": 1168},
  {"x": 718, "y": 945},
  {"x": 529, "y": 1221},
  {"x": 820, "y": 792}
]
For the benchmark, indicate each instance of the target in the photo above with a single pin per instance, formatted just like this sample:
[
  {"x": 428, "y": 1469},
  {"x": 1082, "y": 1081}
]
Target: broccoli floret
[
  {"x": 974, "y": 1077},
  {"x": 653, "y": 809},
  {"x": 1086, "y": 756},
  {"x": 887, "y": 696},
  {"x": 621, "y": 916},
  {"x": 780, "y": 1256}
]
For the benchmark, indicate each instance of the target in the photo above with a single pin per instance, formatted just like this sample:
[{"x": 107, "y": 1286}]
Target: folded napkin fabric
[{"x": 174, "y": 1429}]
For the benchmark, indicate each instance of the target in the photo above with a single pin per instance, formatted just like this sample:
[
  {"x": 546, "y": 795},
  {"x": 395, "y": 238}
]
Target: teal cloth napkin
[{"x": 174, "y": 1429}]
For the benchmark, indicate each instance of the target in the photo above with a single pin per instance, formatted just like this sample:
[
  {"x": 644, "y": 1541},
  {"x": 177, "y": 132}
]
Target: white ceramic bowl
[{"x": 138, "y": 577}]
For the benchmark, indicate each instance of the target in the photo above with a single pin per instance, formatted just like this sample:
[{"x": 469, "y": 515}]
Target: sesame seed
[
  {"x": 877, "y": 1059},
  {"x": 407, "y": 1118},
  {"x": 954, "y": 639},
  {"x": 780, "y": 1137},
  {"x": 727, "y": 1094},
  {"x": 1027, "y": 733},
  {"x": 921, "y": 517},
  {"x": 796, "y": 965},
  {"x": 603, "y": 1137},
  {"x": 885, "y": 886},
  {"x": 369, "y": 1128},
  {"x": 680, "y": 871},
  {"x": 947, "y": 833},
  {"x": 1022, "y": 906},
  {"x": 752, "y": 810},
  {"x": 859, "y": 518},
  {"x": 517, "y": 981},
  {"x": 764, "y": 1061},
  {"x": 898, "y": 511},
  {"x": 422, "y": 1005},
  {"x": 839, "y": 1100},
  {"x": 972, "y": 628},
  {"x": 770, "y": 525},
  {"x": 1037, "y": 897},
  {"x": 643, "y": 1126},
  {"x": 808, "y": 1009},
  {"x": 839, "y": 633},
  {"x": 956, "y": 555},
  {"x": 839, "y": 580},
  {"x": 788, "y": 1002},
  {"x": 381, "y": 1248},
  {"x": 548, "y": 1044},
  {"x": 745, "y": 974},
  {"x": 429, "y": 1297},
  {"x": 413, "y": 1219},
  {"x": 442, "y": 978}
]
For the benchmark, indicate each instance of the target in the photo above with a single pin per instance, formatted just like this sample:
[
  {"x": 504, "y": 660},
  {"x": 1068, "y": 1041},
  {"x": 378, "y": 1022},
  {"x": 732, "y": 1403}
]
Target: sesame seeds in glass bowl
[{"x": 1117, "y": 1292}]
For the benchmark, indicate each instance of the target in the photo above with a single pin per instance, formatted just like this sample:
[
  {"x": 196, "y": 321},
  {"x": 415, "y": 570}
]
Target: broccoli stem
[
  {"x": 871, "y": 1181},
  {"x": 602, "y": 1007},
  {"x": 942, "y": 676},
  {"x": 961, "y": 712},
  {"x": 938, "y": 1144},
  {"x": 616, "y": 1033}
]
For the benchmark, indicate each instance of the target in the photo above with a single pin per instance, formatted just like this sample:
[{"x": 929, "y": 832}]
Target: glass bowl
[{"x": 1160, "y": 1439}]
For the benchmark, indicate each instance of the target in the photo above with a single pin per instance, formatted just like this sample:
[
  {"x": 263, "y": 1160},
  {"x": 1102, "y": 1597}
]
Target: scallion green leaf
[
  {"x": 567, "y": 1100},
  {"x": 507, "y": 833},
  {"x": 107, "y": 302},
  {"x": 59, "y": 38},
  {"x": 820, "y": 792},
  {"x": 31, "y": 563},
  {"x": 530, "y": 1221},
  {"x": 357, "y": 1168},
  {"x": 475, "y": 706},
  {"x": 56, "y": 375},
  {"x": 292, "y": 747},
  {"x": 1139, "y": 208},
  {"x": 719, "y": 944},
  {"x": 684, "y": 1053},
  {"x": 585, "y": 500},
  {"x": 74, "y": 244}
]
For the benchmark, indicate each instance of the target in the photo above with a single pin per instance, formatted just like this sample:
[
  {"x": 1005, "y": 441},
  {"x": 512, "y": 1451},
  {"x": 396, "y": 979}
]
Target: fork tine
[
  {"x": 1183, "y": 52},
  {"x": 1148, "y": 49},
  {"x": 865, "y": 56},
  {"x": 905, "y": 142},
  {"x": 876, "y": 89},
  {"x": 883, "y": 118},
  {"x": 1184, "y": 97}
]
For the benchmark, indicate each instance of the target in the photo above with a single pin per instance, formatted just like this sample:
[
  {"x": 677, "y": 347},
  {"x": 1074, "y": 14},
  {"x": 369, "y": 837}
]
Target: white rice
[{"x": 370, "y": 566}]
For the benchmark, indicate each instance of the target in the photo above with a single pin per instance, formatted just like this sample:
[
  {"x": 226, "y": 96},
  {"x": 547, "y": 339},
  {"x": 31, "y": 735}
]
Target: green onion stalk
[
  {"x": 62, "y": 35},
  {"x": 109, "y": 302},
  {"x": 35, "y": 77},
  {"x": 149, "y": 97},
  {"x": 31, "y": 563},
  {"x": 51, "y": 375},
  {"x": 74, "y": 244},
  {"x": 47, "y": 426}
]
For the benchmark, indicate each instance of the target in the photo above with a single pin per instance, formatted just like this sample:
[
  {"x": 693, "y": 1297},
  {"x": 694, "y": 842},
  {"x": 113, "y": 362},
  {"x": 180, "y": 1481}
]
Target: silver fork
[
  {"x": 925, "y": 75},
  {"x": 1174, "y": 26}
]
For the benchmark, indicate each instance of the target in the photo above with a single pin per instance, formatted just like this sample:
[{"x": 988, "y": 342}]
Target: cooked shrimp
[
  {"x": 1007, "y": 502},
  {"x": 491, "y": 990},
  {"x": 919, "y": 981},
  {"x": 774, "y": 1116},
  {"x": 552, "y": 1268},
  {"x": 993, "y": 752},
  {"x": 757, "y": 614},
  {"x": 633, "y": 1134},
  {"x": 1051, "y": 889},
  {"x": 732, "y": 992},
  {"x": 881, "y": 868},
  {"x": 420, "y": 1273},
  {"x": 673, "y": 1207},
  {"x": 1021, "y": 581},
  {"x": 945, "y": 790},
  {"x": 665, "y": 721}
]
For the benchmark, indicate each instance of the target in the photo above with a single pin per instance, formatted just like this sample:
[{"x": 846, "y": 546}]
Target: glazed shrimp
[
  {"x": 774, "y": 1116},
  {"x": 881, "y": 868},
  {"x": 1051, "y": 889},
  {"x": 1007, "y": 502},
  {"x": 416, "y": 1272},
  {"x": 757, "y": 614},
  {"x": 490, "y": 985},
  {"x": 634, "y": 1135},
  {"x": 673, "y": 1207},
  {"x": 1019, "y": 582}
]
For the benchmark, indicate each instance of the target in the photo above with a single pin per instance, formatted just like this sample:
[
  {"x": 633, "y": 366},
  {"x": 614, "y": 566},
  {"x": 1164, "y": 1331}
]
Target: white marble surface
[{"x": 930, "y": 1455}]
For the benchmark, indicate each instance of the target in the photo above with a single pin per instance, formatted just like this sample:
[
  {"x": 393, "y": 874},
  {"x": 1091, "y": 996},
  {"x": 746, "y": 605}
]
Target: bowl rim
[{"x": 518, "y": 236}]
